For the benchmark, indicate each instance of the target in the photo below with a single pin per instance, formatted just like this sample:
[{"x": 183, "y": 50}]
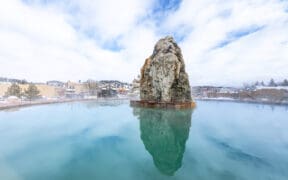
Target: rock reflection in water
[{"x": 164, "y": 134}]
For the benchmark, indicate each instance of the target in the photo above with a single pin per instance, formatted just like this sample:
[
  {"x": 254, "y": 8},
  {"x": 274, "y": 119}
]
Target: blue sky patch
[
  {"x": 111, "y": 45},
  {"x": 166, "y": 5},
  {"x": 162, "y": 8},
  {"x": 237, "y": 34},
  {"x": 244, "y": 32},
  {"x": 179, "y": 33}
]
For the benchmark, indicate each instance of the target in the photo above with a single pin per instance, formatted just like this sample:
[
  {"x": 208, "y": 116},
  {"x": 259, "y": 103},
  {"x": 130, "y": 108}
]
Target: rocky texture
[
  {"x": 164, "y": 134},
  {"x": 163, "y": 76},
  {"x": 166, "y": 105},
  {"x": 135, "y": 90}
]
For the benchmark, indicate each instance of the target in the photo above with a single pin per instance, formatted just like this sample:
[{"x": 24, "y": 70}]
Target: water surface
[{"x": 91, "y": 140}]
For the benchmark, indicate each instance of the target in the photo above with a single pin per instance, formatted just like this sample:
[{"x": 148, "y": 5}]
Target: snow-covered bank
[
  {"x": 259, "y": 101},
  {"x": 15, "y": 104},
  {"x": 8, "y": 105},
  {"x": 269, "y": 87}
]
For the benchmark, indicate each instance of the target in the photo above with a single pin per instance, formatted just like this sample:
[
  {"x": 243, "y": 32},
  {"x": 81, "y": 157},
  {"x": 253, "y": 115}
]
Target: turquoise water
[{"x": 217, "y": 141}]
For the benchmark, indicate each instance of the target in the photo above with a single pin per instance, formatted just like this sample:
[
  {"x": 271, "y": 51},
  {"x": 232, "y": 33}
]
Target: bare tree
[{"x": 92, "y": 87}]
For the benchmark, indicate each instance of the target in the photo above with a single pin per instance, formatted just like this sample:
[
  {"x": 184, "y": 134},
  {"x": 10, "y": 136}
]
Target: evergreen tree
[
  {"x": 262, "y": 83},
  {"x": 285, "y": 82},
  {"x": 272, "y": 83},
  {"x": 32, "y": 92},
  {"x": 23, "y": 81},
  {"x": 14, "y": 90}
]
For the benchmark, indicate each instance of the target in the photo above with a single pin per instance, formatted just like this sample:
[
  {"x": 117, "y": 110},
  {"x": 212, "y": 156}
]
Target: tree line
[
  {"x": 272, "y": 83},
  {"x": 31, "y": 93}
]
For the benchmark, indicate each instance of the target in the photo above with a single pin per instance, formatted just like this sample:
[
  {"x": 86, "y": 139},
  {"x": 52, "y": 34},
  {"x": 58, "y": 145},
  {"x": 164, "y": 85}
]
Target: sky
[{"x": 224, "y": 42}]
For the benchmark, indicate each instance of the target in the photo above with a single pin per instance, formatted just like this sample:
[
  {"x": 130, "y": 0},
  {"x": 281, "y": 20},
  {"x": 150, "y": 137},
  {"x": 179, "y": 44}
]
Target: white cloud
[
  {"x": 110, "y": 18},
  {"x": 40, "y": 44},
  {"x": 108, "y": 39},
  {"x": 257, "y": 56}
]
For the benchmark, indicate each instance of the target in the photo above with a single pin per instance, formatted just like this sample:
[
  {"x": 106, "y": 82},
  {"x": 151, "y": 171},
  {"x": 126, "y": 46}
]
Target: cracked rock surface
[{"x": 163, "y": 76}]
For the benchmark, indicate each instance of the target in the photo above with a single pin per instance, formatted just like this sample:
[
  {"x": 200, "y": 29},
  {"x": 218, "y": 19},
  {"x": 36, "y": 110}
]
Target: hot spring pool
[{"x": 111, "y": 140}]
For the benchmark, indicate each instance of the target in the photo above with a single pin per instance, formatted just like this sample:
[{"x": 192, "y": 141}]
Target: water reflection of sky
[{"x": 103, "y": 141}]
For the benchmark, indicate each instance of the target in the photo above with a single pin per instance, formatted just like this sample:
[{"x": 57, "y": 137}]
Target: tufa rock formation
[
  {"x": 163, "y": 76},
  {"x": 135, "y": 90}
]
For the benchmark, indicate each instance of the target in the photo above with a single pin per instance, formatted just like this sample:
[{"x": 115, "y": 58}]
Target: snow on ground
[
  {"x": 269, "y": 87},
  {"x": 218, "y": 98}
]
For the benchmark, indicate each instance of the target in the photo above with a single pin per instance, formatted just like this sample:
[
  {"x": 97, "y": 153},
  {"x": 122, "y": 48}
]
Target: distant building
[
  {"x": 211, "y": 91},
  {"x": 70, "y": 93},
  {"x": 55, "y": 83},
  {"x": 75, "y": 90},
  {"x": 107, "y": 93},
  {"x": 9, "y": 80},
  {"x": 114, "y": 84},
  {"x": 228, "y": 90}
]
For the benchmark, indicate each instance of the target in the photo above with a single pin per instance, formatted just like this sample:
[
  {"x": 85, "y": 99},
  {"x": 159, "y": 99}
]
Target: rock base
[{"x": 168, "y": 105}]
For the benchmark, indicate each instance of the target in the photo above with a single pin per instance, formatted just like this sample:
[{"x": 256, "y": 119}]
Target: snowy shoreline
[
  {"x": 268, "y": 102},
  {"x": 11, "y": 105}
]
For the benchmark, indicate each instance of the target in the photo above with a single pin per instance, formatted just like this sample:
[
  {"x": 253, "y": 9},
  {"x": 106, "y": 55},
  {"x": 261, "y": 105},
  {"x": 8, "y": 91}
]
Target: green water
[{"x": 217, "y": 140}]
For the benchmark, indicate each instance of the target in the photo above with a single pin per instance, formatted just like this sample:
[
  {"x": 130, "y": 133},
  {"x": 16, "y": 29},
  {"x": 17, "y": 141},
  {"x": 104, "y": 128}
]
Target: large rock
[{"x": 163, "y": 76}]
